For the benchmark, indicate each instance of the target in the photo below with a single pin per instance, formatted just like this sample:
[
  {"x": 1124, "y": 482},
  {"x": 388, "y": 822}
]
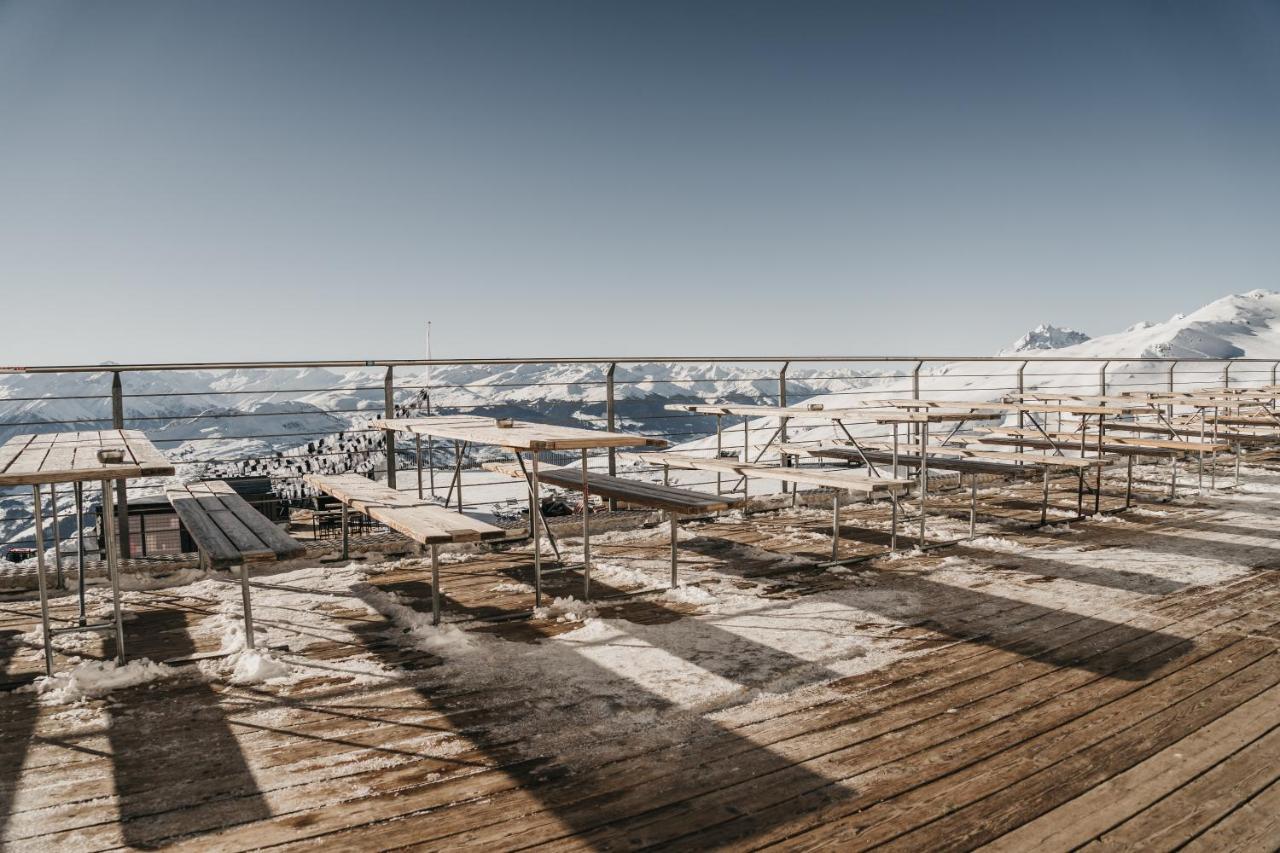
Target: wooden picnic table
[
  {"x": 520, "y": 437},
  {"x": 73, "y": 457}
]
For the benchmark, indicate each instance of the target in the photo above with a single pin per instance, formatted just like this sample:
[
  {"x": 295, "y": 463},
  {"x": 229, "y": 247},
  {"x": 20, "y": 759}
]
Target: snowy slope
[{"x": 1237, "y": 326}]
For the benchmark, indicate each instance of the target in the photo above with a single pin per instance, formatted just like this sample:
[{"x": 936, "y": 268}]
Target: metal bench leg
[
  {"x": 435, "y": 584},
  {"x": 924, "y": 475},
  {"x": 835, "y": 526},
  {"x": 586, "y": 531},
  {"x": 538, "y": 522},
  {"x": 80, "y": 546},
  {"x": 113, "y": 563},
  {"x": 40, "y": 582},
  {"x": 58, "y": 581},
  {"x": 1044, "y": 500},
  {"x": 1128, "y": 485},
  {"x": 346, "y": 554},
  {"x": 248, "y": 608},
  {"x": 675, "y": 580},
  {"x": 973, "y": 503},
  {"x": 893, "y": 531}
]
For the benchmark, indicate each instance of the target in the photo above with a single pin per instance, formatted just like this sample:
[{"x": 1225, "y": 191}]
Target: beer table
[
  {"x": 79, "y": 458},
  {"x": 520, "y": 437}
]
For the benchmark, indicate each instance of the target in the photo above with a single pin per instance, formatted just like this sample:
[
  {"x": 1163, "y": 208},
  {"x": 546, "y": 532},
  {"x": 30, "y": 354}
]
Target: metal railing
[{"x": 370, "y": 389}]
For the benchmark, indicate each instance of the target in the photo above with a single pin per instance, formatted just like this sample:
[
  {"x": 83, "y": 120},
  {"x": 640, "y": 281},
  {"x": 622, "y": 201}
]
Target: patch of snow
[{"x": 94, "y": 679}]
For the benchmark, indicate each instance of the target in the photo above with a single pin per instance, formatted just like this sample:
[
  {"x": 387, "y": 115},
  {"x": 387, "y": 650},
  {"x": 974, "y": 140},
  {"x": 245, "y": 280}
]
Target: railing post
[
  {"x": 782, "y": 421},
  {"x": 1226, "y": 375},
  {"x": 1102, "y": 378},
  {"x": 915, "y": 393},
  {"x": 389, "y": 436},
  {"x": 1022, "y": 390},
  {"x": 1273, "y": 372},
  {"x": 1172, "y": 365},
  {"x": 122, "y": 492},
  {"x": 610, "y": 423}
]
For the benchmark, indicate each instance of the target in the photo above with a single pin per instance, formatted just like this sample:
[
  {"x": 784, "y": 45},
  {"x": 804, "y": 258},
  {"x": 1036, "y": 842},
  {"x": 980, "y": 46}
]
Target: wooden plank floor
[{"x": 1015, "y": 722}]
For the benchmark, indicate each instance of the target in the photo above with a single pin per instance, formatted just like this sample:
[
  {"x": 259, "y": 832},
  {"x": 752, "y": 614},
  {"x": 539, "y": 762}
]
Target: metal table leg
[
  {"x": 924, "y": 475},
  {"x": 346, "y": 555},
  {"x": 435, "y": 584},
  {"x": 835, "y": 525},
  {"x": 79, "y": 489},
  {"x": 40, "y": 582},
  {"x": 113, "y": 563},
  {"x": 57, "y": 539},
  {"x": 248, "y": 607},
  {"x": 675, "y": 535},
  {"x": 537, "y": 531},
  {"x": 1044, "y": 501},
  {"x": 586, "y": 531},
  {"x": 417, "y": 455},
  {"x": 973, "y": 503}
]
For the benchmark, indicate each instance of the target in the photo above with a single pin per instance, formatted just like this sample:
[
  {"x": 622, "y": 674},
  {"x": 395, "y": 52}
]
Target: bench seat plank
[
  {"x": 422, "y": 521},
  {"x": 226, "y": 528},
  {"x": 618, "y": 488},
  {"x": 837, "y": 478},
  {"x": 912, "y": 460}
]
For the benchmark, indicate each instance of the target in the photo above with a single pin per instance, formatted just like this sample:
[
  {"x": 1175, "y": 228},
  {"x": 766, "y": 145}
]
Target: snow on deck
[{"x": 1048, "y": 686}]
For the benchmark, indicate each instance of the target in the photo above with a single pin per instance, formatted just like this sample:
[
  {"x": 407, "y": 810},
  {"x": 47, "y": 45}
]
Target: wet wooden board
[{"x": 71, "y": 457}]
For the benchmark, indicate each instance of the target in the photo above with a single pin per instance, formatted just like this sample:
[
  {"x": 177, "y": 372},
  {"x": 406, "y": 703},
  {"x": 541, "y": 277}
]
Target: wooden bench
[
  {"x": 836, "y": 479},
  {"x": 912, "y": 460},
  {"x": 229, "y": 532},
  {"x": 424, "y": 522},
  {"x": 675, "y": 502}
]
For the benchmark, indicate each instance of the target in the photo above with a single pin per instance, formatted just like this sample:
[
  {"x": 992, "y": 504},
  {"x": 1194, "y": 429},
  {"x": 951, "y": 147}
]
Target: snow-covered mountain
[{"x": 1044, "y": 337}]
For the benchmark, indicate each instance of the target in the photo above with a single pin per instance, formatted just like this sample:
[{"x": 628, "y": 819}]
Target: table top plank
[
  {"x": 69, "y": 457},
  {"x": 521, "y": 435}
]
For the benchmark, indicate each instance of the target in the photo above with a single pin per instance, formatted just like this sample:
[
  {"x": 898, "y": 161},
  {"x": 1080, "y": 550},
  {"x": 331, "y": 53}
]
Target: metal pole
[
  {"x": 915, "y": 389},
  {"x": 610, "y": 414},
  {"x": 457, "y": 472},
  {"x": 248, "y": 608},
  {"x": 113, "y": 566},
  {"x": 1128, "y": 486},
  {"x": 675, "y": 535},
  {"x": 57, "y": 537},
  {"x": 1102, "y": 378},
  {"x": 435, "y": 584},
  {"x": 40, "y": 581},
  {"x": 1097, "y": 489},
  {"x": 346, "y": 554},
  {"x": 431, "y": 464},
  {"x": 122, "y": 494},
  {"x": 973, "y": 503},
  {"x": 389, "y": 436},
  {"x": 79, "y": 489},
  {"x": 835, "y": 525},
  {"x": 1044, "y": 501},
  {"x": 537, "y": 531},
  {"x": 924, "y": 475},
  {"x": 1022, "y": 390},
  {"x": 719, "y": 451},
  {"x": 1226, "y": 375},
  {"x": 1172, "y": 365},
  {"x": 586, "y": 530},
  {"x": 782, "y": 421},
  {"x": 417, "y": 454}
]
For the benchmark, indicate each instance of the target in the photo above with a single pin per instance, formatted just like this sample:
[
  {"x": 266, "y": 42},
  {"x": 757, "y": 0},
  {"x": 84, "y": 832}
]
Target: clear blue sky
[{"x": 183, "y": 180}]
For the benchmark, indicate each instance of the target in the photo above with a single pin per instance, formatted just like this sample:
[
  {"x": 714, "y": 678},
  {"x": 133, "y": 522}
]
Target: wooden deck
[{"x": 1010, "y": 710}]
